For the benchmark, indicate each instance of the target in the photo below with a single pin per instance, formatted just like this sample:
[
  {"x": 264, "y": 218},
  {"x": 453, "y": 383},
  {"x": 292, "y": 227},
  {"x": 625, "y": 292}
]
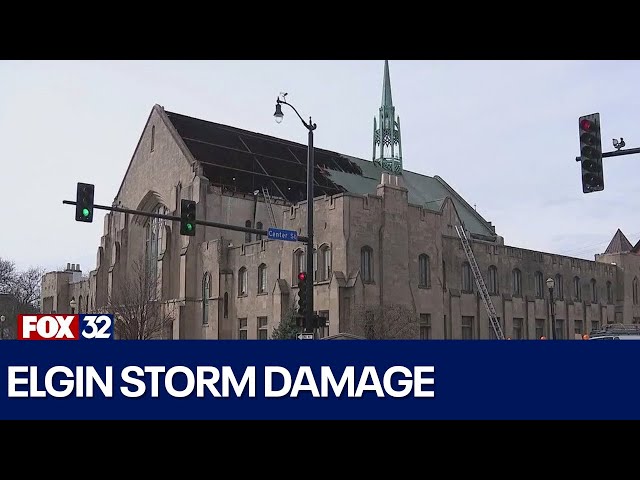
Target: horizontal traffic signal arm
[
  {"x": 174, "y": 218},
  {"x": 616, "y": 153}
]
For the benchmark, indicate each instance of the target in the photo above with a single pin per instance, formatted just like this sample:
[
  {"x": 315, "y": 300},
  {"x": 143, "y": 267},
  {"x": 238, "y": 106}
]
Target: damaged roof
[{"x": 240, "y": 160}]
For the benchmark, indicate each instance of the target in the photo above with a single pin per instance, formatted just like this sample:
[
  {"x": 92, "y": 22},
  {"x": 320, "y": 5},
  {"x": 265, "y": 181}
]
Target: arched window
[
  {"x": 538, "y": 280},
  {"x": 424, "y": 271},
  {"x": 609, "y": 293},
  {"x": 242, "y": 282},
  {"x": 153, "y": 239},
  {"x": 80, "y": 310},
  {"x": 325, "y": 263},
  {"x": 467, "y": 280},
  {"x": 259, "y": 227},
  {"x": 247, "y": 235},
  {"x": 577, "y": 291},
  {"x": 73, "y": 310},
  {"x": 262, "y": 278},
  {"x": 206, "y": 293},
  {"x": 594, "y": 291},
  {"x": 559, "y": 287},
  {"x": 366, "y": 264},
  {"x": 634, "y": 287},
  {"x": 493, "y": 280},
  {"x": 225, "y": 305},
  {"x": 517, "y": 282}
]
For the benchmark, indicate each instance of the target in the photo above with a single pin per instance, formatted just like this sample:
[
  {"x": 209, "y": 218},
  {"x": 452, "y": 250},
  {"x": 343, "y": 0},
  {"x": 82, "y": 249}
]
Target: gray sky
[{"x": 502, "y": 133}]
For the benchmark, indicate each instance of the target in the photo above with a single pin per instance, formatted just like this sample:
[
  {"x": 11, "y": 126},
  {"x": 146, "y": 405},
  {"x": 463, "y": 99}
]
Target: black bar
[
  {"x": 617, "y": 153},
  {"x": 223, "y": 226}
]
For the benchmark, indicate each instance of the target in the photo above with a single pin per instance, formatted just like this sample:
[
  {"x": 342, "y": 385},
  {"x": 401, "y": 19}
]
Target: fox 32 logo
[{"x": 65, "y": 327}]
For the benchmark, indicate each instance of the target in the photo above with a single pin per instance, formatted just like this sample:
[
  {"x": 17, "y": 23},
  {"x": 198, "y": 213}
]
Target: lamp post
[
  {"x": 550, "y": 284},
  {"x": 73, "y": 304},
  {"x": 2, "y": 319},
  {"x": 310, "y": 126}
]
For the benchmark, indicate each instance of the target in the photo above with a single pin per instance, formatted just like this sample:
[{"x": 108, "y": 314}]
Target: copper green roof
[{"x": 428, "y": 192}]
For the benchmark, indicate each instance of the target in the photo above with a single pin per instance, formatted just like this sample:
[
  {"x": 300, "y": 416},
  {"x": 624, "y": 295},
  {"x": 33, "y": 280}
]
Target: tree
[
  {"x": 7, "y": 275},
  {"x": 287, "y": 328},
  {"x": 26, "y": 287},
  {"x": 138, "y": 314},
  {"x": 22, "y": 294},
  {"x": 387, "y": 322}
]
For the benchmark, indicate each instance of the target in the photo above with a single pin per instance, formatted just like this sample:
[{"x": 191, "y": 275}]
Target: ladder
[
  {"x": 267, "y": 199},
  {"x": 484, "y": 293}
]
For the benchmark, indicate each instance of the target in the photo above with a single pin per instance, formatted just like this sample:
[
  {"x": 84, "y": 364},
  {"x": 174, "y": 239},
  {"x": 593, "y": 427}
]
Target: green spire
[
  {"x": 386, "y": 87},
  {"x": 387, "y": 147}
]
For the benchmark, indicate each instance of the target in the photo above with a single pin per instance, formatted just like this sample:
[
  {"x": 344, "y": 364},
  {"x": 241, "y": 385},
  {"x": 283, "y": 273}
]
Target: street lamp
[
  {"x": 550, "y": 284},
  {"x": 310, "y": 169},
  {"x": 73, "y": 304},
  {"x": 2, "y": 319}
]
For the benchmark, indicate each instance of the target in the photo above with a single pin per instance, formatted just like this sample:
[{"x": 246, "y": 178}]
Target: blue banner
[{"x": 357, "y": 380}]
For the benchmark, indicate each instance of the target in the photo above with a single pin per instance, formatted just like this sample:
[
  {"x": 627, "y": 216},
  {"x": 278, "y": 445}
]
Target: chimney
[
  {"x": 68, "y": 267},
  {"x": 78, "y": 266}
]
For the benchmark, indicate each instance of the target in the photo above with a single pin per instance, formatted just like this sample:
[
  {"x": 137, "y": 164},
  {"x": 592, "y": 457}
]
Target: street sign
[
  {"x": 305, "y": 336},
  {"x": 280, "y": 234}
]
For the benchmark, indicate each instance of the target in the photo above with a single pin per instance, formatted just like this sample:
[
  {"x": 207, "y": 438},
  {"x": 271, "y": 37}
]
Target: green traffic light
[
  {"x": 189, "y": 227},
  {"x": 85, "y": 212}
]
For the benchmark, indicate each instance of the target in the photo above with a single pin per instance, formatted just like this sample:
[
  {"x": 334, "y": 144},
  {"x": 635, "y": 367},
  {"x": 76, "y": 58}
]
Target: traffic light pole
[
  {"x": 223, "y": 226},
  {"x": 310, "y": 203},
  {"x": 617, "y": 153}
]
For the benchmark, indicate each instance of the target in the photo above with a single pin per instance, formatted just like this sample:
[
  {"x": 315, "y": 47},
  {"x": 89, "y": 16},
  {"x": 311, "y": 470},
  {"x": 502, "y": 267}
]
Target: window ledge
[
  {"x": 262, "y": 293},
  {"x": 321, "y": 282},
  {"x": 424, "y": 287},
  {"x": 242, "y": 295}
]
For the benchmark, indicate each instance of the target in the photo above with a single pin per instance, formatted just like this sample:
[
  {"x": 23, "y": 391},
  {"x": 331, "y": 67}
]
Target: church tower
[{"x": 387, "y": 146}]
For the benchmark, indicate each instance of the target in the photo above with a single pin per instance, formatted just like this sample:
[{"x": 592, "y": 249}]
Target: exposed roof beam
[
  {"x": 280, "y": 159},
  {"x": 226, "y": 167},
  {"x": 263, "y": 169}
]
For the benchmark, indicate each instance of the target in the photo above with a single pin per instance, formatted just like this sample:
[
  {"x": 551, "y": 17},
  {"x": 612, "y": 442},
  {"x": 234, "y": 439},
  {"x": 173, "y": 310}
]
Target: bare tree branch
[
  {"x": 138, "y": 314},
  {"x": 389, "y": 322},
  {"x": 23, "y": 289},
  {"x": 26, "y": 286},
  {"x": 7, "y": 275}
]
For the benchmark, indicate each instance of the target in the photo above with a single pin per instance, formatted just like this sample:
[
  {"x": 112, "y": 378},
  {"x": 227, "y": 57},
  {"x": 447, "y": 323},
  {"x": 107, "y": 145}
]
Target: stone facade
[{"x": 373, "y": 248}]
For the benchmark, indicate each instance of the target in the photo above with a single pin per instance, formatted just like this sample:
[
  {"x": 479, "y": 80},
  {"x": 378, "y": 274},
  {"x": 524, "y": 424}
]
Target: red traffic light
[
  {"x": 586, "y": 124},
  {"x": 302, "y": 276}
]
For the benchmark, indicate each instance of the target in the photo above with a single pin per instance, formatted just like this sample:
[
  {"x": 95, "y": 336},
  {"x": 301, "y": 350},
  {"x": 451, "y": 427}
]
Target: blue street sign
[{"x": 280, "y": 234}]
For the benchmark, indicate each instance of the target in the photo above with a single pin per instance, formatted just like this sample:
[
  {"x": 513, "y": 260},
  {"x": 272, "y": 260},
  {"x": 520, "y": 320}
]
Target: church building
[{"x": 383, "y": 236}]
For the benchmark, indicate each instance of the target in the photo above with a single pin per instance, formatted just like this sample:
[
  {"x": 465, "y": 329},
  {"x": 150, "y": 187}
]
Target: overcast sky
[{"x": 502, "y": 133}]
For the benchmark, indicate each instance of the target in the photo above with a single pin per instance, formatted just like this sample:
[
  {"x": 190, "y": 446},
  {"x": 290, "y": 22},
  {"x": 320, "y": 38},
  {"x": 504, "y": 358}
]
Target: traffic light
[
  {"x": 591, "y": 153},
  {"x": 319, "y": 321},
  {"x": 187, "y": 217},
  {"x": 302, "y": 294},
  {"x": 84, "y": 202}
]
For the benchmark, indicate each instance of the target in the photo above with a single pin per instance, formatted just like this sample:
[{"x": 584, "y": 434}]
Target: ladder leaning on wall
[
  {"x": 482, "y": 288},
  {"x": 267, "y": 199}
]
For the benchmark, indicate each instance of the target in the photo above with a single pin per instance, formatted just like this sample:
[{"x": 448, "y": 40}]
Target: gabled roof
[
  {"x": 619, "y": 244},
  {"x": 636, "y": 249},
  {"x": 246, "y": 161}
]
